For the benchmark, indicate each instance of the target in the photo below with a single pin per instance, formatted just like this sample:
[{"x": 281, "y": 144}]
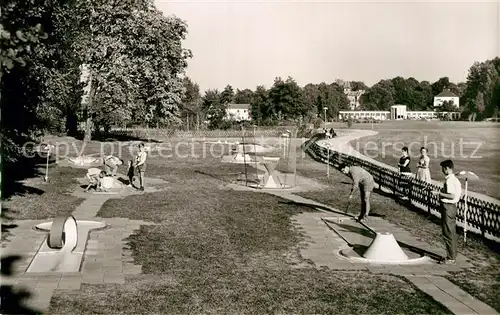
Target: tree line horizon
[{"x": 285, "y": 100}]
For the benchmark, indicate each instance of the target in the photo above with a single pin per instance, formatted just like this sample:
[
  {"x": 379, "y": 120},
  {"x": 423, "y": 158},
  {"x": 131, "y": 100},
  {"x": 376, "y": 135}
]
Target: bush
[{"x": 317, "y": 122}]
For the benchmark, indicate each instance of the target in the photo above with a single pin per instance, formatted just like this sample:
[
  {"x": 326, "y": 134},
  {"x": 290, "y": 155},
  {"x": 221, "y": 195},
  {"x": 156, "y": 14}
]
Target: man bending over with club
[{"x": 364, "y": 180}]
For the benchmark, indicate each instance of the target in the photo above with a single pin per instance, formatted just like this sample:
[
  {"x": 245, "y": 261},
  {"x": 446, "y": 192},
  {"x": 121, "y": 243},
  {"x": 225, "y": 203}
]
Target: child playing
[
  {"x": 94, "y": 175},
  {"x": 111, "y": 164}
]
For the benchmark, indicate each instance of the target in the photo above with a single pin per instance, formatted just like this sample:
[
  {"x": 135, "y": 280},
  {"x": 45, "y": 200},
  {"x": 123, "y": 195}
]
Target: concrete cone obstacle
[{"x": 385, "y": 248}]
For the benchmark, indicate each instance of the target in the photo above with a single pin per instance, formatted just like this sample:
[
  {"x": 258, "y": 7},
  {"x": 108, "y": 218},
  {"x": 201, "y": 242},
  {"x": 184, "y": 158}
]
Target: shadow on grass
[
  {"x": 357, "y": 230},
  {"x": 13, "y": 300},
  {"x": 13, "y": 175},
  {"x": 315, "y": 207}
]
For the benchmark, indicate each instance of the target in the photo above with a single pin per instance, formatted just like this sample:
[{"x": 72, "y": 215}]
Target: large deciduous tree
[
  {"x": 135, "y": 56},
  {"x": 38, "y": 73},
  {"x": 286, "y": 99},
  {"x": 260, "y": 106},
  {"x": 481, "y": 93},
  {"x": 191, "y": 103},
  {"x": 243, "y": 96},
  {"x": 380, "y": 96},
  {"x": 214, "y": 109}
]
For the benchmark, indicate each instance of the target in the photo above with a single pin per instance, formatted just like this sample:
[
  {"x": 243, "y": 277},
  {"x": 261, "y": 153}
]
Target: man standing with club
[
  {"x": 364, "y": 180},
  {"x": 449, "y": 196}
]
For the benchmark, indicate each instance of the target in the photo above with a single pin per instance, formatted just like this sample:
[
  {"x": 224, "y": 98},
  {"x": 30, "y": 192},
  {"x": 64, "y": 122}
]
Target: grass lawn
[
  {"x": 45, "y": 200},
  {"x": 472, "y": 146},
  {"x": 482, "y": 281},
  {"x": 217, "y": 251}
]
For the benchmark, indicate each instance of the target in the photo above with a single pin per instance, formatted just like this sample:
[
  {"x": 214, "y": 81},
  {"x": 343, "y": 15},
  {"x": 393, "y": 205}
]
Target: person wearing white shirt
[
  {"x": 138, "y": 165},
  {"x": 111, "y": 164},
  {"x": 94, "y": 175},
  {"x": 449, "y": 196}
]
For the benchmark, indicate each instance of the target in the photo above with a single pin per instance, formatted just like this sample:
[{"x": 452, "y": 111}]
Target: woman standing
[
  {"x": 404, "y": 162},
  {"x": 404, "y": 171},
  {"x": 423, "y": 172}
]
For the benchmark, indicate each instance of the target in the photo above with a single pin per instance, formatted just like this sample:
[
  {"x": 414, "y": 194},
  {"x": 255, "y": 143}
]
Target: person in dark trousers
[
  {"x": 138, "y": 165},
  {"x": 364, "y": 180},
  {"x": 404, "y": 172},
  {"x": 332, "y": 133},
  {"x": 449, "y": 196}
]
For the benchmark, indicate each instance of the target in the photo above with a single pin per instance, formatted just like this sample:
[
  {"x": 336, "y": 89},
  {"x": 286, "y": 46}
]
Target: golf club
[
  {"x": 466, "y": 175},
  {"x": 348, "y": 204}
]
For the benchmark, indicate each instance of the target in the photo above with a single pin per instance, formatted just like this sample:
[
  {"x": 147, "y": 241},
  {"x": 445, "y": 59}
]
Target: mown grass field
[
  {"x": 217, "y": 251},
  {"x": 473, "y": 146}
]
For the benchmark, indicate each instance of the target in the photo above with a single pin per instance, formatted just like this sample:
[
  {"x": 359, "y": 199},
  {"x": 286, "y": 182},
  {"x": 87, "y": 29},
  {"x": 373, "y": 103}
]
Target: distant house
[
  {"x": 444, "y": 96},
  {"x": 354, "y": 97},
  {"x": 238, "y": 112}
]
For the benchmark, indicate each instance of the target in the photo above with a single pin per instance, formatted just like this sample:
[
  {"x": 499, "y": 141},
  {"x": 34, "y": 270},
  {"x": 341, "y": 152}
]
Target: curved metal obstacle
[
  {"x": 63, "y": 233},
  {"x": 64, "y": 247}
]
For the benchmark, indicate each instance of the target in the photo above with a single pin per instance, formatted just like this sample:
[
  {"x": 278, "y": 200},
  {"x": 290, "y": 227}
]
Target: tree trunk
[
  {"x": 88, "y": 112},
  {"x": 71, "y": 124}
]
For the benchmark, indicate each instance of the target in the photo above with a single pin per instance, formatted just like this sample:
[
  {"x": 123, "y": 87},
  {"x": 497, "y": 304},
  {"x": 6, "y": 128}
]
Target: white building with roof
[
  {"x": 444, "y": 96},
  {"x": 238, "y": 112}
]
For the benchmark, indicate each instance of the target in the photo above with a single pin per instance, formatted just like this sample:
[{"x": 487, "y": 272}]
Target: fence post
[
  {"x": 394, "y": 183},
  {"x": 483, "y": 218},
  {"x": 410, "y": 189},
  {"x": 379, "y": 176},
  {"x": 429, "y": 196}
]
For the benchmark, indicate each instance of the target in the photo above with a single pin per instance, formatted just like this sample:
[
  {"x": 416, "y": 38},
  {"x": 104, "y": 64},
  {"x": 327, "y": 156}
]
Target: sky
[{"x": 249, "y": 43}]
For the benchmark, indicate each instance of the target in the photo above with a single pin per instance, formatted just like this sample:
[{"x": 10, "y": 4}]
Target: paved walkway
[{"x": 107, "y": 258}]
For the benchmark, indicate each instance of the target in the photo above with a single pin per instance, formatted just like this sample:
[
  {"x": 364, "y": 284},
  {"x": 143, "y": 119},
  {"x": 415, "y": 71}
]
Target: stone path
[{"x": 107, "y": 259}]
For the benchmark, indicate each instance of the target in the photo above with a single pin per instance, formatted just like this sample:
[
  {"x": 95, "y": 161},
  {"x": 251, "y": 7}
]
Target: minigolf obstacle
[
  {"x": 382, "y": 249},
  {"x": 385, "y": 248},
  {"x": 85, "y": 161},
  {"x": 270, "y": 164},
  {"x": 64, "y": 247}
]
